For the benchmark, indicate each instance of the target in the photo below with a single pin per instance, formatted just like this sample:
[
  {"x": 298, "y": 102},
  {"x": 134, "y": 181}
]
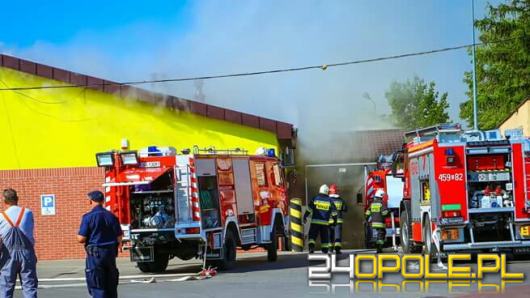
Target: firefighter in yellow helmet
[
  {"x": 377, "y": 211},
  {"x": 322, "y": 210}
]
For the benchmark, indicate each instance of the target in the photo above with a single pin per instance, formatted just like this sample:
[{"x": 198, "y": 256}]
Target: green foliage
[
  {"x": 503, "y": 64},
  {"x": 417, "y": 104}
]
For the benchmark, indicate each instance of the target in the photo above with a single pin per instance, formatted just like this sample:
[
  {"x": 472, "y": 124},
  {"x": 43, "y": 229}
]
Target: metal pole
[
  {"x": 475, "y": 120},
  {"x": 306, "y": 188}
]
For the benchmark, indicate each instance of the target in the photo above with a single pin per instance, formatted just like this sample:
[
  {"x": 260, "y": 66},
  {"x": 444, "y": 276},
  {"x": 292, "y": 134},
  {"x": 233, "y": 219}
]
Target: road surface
[{"x": 254, "y": 277}]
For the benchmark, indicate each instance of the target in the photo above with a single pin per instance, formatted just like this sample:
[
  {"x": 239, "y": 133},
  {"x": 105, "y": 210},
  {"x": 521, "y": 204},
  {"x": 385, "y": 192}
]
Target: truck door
[
  {"x": 245, "y": 203},
  {"x": 208, "y": 193}
]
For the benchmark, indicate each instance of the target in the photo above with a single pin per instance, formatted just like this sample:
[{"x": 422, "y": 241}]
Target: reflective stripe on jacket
[
  {"x": 322, "y": 209},
  {"x": 378, "y": 211},
  {"x": 340, "y": 205}
]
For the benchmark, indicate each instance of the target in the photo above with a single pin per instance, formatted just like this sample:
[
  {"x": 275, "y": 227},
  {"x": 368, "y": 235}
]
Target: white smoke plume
[{"x": 239, "y": 36}]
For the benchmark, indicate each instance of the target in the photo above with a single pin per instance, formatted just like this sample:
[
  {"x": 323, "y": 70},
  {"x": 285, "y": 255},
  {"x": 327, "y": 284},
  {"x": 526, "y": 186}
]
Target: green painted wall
[{"x": 56, "y": 128}]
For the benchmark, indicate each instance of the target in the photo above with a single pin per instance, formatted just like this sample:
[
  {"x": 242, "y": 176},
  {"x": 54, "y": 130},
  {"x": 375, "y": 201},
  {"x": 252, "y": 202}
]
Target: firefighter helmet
[
  {"x": 379, "y": 194},
  {"x": 333, "y": 189},
  {"x": 324, "y": 189}
]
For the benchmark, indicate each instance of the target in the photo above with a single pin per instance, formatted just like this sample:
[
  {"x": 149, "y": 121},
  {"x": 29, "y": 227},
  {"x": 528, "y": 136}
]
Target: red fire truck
[
  {"x": 196, "y": 203},
  {"x": 376, "y": 178},
  {"x": 464, "y": 191}
]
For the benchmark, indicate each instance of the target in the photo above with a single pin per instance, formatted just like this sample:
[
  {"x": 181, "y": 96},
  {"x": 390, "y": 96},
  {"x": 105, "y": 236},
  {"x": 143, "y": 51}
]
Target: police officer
[
  {"x": 321, "y": 209},
  {"x": 101, "y": 234},
  {"x": 335, "y": 231},
  {"x": 378, "y": 211}
]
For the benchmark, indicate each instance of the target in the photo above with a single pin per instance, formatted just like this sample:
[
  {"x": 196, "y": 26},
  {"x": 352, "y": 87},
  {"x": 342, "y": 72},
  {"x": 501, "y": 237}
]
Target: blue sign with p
[{"x": 47, "y": 203}]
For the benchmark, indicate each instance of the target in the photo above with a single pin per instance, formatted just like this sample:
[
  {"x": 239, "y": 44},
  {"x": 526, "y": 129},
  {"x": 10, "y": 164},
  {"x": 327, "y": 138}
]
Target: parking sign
[{"x": 47, "y": 204}]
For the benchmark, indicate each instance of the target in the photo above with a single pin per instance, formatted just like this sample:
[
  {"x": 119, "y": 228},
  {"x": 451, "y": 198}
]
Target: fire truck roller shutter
[
  {"x": 205, "y": 167},
  {"x": 245, "y": 204},
  {"x": 296, "y": 226}
]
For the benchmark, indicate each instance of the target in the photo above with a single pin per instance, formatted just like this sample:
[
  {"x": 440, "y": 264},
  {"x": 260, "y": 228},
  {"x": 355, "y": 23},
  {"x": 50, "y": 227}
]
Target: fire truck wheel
[
  {"x": 406, "y": 234},
  {"x": 144, "y": 267},
  {"x": 272, "y": 248},
  {"x": 405, "y": 231},
  {"x": 159, "y": 265},
  {"x": 428, "y": 247},
  {"x": 229, "y": 252}
]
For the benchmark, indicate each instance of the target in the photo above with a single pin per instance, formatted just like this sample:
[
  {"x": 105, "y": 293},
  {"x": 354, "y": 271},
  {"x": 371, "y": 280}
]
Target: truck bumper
[
  {"x": 190, "y": 237},
  {"x": 492, "y": 246}
]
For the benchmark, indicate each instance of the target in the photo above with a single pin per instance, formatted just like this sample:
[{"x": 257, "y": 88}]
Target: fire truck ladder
[
  {"x": 433, "y": 130},
  {"x": 212, "y": 150}
]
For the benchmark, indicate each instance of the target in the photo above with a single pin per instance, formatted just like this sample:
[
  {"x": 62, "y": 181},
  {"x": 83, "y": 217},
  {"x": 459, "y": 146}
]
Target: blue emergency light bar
[{"x": 153, "y": 151}]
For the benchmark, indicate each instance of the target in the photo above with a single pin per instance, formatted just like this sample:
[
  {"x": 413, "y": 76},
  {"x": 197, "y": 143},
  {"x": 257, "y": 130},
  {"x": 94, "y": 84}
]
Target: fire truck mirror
[
  {"x": 397, "y": 164},
  {"x": 359, "y": 198}
]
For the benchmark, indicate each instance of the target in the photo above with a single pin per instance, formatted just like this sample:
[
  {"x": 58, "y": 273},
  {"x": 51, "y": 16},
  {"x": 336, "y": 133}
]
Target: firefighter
[
  {"x": 378, "y": 211},
  {"x": 321, "y": 209},
  {"x": 335, "y": 231},
  {"x": 101, "y": 234}
]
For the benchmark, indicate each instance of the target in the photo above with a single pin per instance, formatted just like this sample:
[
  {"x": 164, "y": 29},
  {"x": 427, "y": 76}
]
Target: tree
[
  {"x": 503, "y": 64},
  {"x": 416, "y": 104}
]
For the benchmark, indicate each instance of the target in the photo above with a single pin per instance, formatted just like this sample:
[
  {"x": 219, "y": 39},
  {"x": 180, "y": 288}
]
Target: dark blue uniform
[
  {"x": 335, "y": 231},
  {"x": 322, "y": 210},
  {"x": 102, "y": 229}
]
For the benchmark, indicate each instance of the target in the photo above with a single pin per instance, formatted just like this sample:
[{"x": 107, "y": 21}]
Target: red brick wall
[{"x": 55, "y": 235}]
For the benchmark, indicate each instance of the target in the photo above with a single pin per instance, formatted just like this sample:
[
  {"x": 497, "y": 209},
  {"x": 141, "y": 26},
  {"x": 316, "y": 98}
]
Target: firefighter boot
[
  {"x": 337, "y": 250},
  {"x": 311, "y": 248},
  {"x": 324, "y": 248},
  {"x": 380, "y": 242},
  {"x": 379, "y": 246}
]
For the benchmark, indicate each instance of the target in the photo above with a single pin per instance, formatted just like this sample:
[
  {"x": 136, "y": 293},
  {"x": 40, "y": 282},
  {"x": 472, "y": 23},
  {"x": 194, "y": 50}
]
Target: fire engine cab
[
  {"x": 200, "y": 203},
  {"x": 464, "y": 191}
]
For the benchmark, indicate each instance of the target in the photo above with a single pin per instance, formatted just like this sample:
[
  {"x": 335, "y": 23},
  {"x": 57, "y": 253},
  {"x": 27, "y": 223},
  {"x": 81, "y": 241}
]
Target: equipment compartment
[
  {"x": 152, "y": 209},
  {"x": 490, "y": 187}
]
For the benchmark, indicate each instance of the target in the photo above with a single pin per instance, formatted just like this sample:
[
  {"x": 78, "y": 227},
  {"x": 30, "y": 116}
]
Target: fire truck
[
  {"x": 381, "y": 177},
  {"x": 200, "y": 203},
  {"x": 464, "y": 191}
]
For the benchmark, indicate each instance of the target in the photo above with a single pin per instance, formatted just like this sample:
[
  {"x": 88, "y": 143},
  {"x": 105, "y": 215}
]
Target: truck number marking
[{"x": 451, "y": 177}]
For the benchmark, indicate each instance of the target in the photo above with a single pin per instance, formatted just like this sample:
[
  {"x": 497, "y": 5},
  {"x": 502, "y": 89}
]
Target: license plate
[
  {"x": 525, "y": 231},
  {"x": 451, "y": 234},
  {"x": 143, "y": 254},
  {"x": 151, "y": 164}
]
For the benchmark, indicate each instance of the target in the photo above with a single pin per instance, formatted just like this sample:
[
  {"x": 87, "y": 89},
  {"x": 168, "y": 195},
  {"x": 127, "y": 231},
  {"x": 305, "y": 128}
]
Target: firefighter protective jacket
[
  {"x": 378, "y": 211},
  {"x": 340, "y": 205},
  {"x": 322, "y": 210}
]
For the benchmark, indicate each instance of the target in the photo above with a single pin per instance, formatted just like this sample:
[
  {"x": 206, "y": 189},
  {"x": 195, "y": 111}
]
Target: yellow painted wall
[
  {"x": 519, "y": 119},
  {"x": 56, "y": 128}
]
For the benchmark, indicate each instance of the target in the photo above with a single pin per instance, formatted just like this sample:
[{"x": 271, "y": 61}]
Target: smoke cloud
[{"x": 240, "y": 36}]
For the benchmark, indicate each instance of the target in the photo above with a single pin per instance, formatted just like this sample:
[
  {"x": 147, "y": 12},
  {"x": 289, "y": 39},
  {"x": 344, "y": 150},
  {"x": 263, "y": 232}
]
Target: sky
[{"x": 139, "y": 40}]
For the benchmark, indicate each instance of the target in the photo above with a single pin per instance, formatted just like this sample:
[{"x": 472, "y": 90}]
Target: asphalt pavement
[{"x": 254, "y": 277}]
